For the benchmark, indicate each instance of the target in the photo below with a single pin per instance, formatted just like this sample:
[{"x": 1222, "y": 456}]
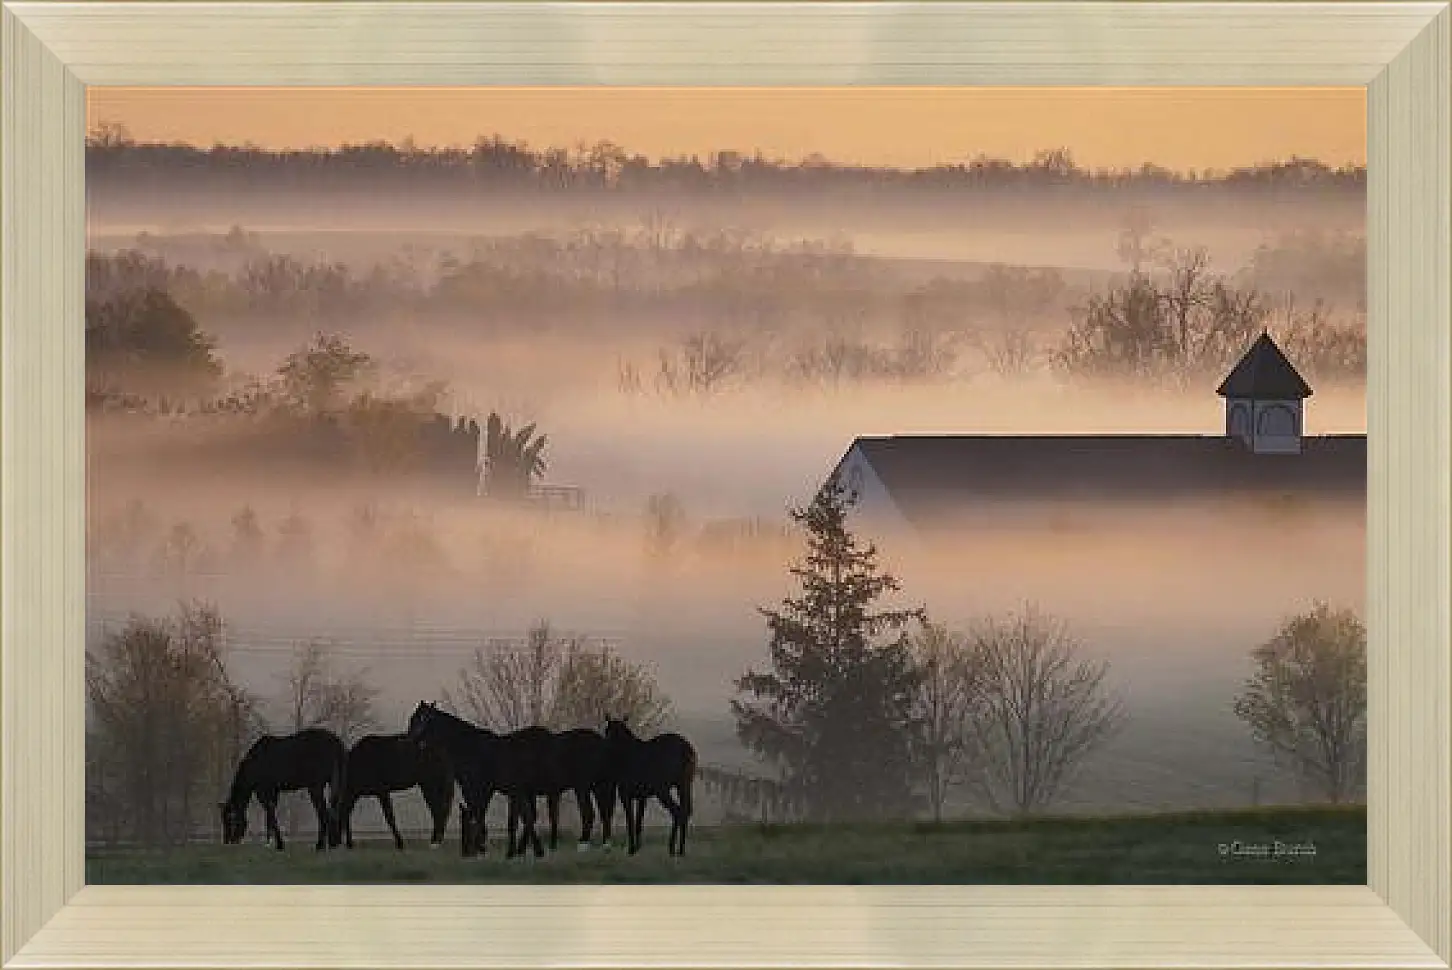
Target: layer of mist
[{"x": 1173, "y": 595}]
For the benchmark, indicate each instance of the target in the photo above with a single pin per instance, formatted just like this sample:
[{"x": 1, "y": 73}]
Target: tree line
[
  {"x": 1174, "y": 321},
  {"x": 135, "y": 539},
  {"x": 654, "y": 270},
  {"x": 158, "y": 679},
  {"x": 862, "y": 711},
  {"x": 1180, "y": 321},
  {"x": 872, "y": 711},
  {"x": 1170, "y": 317},
  {"x": 145, "y": 355},
  {"x": 647, "y": 276},
  {"x": 494, "y": 161}
]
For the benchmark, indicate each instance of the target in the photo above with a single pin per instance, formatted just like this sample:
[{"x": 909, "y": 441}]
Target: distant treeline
[
  {"x": 655, "y": 271},
  {"x": 805, "y": 312},
  {"x": 495, "y": 162}
]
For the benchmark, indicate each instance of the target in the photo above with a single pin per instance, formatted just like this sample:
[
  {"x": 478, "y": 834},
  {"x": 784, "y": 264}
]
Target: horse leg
[
  {"x": 343, "y": 818},
  {"x": 669, "y": 804},
  {"x": 269, "y": 808},
  {"x": 635, "y": 823},
  {"x": 605, "y": 799},
  {"x": 552, "y": 805},
  {"x": 335, "y": 825},
  {"x": 481, "y": 823},
  {"x": 385, "y": 802},
  {"x": 513, "y": 820},
  {"x": 531, "y": 815},
  {"x": 325, "y": 818},
  {"x": 587, "y": 815},
  {"x": 687, "y": 809},
  {"x": 466, "y": 829},
  {"x": 439, "y": 803}
]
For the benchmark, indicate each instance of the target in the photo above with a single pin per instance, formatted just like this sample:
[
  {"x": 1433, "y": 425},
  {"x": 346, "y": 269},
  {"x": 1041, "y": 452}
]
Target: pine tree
[{"x": 836, "y": 712}]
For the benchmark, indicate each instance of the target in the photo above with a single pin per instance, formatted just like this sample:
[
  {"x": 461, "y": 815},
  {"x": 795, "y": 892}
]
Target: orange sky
[{"x": 1176, "y": 127}]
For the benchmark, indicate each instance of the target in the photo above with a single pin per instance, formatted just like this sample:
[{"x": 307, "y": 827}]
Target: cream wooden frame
[{"x": 49, "y": 52}]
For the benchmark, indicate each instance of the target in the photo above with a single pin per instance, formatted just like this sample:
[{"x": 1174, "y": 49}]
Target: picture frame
[{"x": 1400, "y": 51}]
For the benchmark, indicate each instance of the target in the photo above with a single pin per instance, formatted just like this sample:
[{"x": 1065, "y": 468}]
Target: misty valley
[{"x": 556, "y": 446}]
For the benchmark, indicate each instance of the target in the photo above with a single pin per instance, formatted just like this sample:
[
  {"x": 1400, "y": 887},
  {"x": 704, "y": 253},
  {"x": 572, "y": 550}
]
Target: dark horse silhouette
[
  {"x": 312, "y": 759},
  {"x": 582, "y": 765},
  {"x": 521, "y": 765},
  {"x": 643, "y": 769},
  {"x": 380, "y": 764}
]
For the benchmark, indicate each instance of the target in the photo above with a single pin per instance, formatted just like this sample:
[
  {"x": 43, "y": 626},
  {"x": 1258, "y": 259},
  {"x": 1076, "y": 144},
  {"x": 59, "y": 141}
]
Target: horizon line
[{"x": 96, "y": 135}]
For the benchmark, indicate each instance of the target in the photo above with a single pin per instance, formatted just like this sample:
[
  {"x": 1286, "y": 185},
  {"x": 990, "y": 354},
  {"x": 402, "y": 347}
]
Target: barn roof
[
  {"x": 1264, "y": 373},
  {"x": 928, "y": 474}
]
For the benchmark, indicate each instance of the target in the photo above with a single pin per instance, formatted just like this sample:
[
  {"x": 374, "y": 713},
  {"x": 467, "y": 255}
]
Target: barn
[{"x": 919, "y": 482}]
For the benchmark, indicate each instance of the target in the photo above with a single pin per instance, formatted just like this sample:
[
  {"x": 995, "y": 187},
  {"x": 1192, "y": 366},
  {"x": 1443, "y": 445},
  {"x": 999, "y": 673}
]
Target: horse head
[
  {"x": 424, "y": 716},
  {"x": 617, "y": 730},
  {"x": 234, "y": 822}
]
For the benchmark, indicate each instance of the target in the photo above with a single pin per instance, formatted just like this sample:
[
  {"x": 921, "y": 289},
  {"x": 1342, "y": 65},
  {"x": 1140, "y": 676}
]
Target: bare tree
[
  {"x": 596, "y": 683},
  {"x": 507, "y": 686},
  {"x": 947, "y": 691},
  {"x": 349, "y": 706},
  {"x": 182, "y": 554},
  {"x": 304, "y": 680},
  {"x": 166, "y": 723},
  {"x": 247, "y": 537},
  {"x": 1042, "y": 709},
  {"x": 628, "y": 379},
  {"x": 557, "y": 682},
  {"x": 664, "y": 523},
  {"x": 318, "y": 695},
  {"x": 1137, "y": 245},
  {"x": 924, "y": 353},
  {"x": 1009, "y": 353},
  {"x": 836, "y": 359},
  {"x": 702, "y": 364},
  {"x": 1322, "y": 347},
  {"x": 1175, "y": 325},
  {"x": 1185, "y": 295},
  {"x": 1306, "y": 701},
  {"x": 1116, "y": 333},
  {"x": 658, "y": 231}
]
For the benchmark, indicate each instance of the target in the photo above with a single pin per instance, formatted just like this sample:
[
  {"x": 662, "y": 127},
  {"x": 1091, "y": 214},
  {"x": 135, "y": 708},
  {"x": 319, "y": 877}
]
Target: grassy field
[{"x": 1189, "y": 848}]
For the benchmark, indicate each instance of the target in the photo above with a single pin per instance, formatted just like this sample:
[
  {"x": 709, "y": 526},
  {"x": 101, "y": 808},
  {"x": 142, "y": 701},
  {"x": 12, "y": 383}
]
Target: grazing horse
[
  {"x": 582, "y": 765},
  {"x": 643, "y": 769},
  {"x": 485, "y": 762},
  {"x": 312, "y": 759},
  {"x": 381, "y": 764}
]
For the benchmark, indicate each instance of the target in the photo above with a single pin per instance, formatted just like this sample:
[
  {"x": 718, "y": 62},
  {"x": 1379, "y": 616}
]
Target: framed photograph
[{"x": 727, "y": 484}]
